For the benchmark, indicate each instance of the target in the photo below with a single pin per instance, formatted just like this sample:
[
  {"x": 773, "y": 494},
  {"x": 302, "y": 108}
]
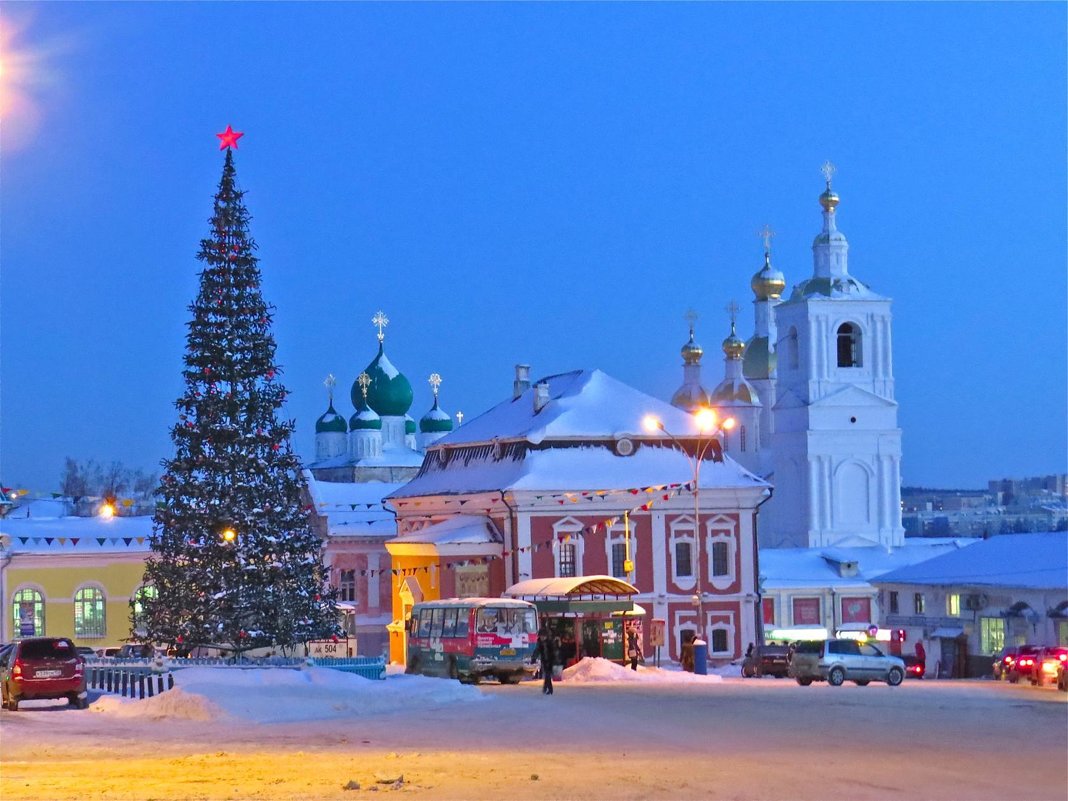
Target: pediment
[
  {"x": 789, "y": 400},
  {"x": 854, "y": 396}
]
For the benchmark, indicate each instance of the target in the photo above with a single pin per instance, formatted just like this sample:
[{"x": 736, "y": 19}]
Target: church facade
[{"x": 812, "y": 391}]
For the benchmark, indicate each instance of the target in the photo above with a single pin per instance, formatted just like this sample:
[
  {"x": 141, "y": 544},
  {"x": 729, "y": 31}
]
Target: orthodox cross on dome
[
  {"x": 767, "y": 235},
  {"x": 691, "y": 318},
  {"x": 364, "y": 381},
  {"x": 732, "y": 309},
  {"x": 828, "y": 169},
  {"x": 459, "y": 418},
  {"x": 381, "y": 321},
  {"x": 435, "y": 383},
  {"x": 228, "y": 138},
  {"x": 329, "y": 384}
]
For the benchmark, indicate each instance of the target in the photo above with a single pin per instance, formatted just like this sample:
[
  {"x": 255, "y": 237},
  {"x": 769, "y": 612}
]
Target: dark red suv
[{"x": 42, "y": 667}]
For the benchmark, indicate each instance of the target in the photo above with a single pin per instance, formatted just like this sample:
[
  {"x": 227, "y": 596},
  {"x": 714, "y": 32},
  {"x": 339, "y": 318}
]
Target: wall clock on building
[{"x": 624, "y": 446}]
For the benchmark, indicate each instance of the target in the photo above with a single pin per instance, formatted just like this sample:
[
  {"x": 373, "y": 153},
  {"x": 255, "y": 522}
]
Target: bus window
[
  {"x": 529, "y": 621},
  {"x": 487, "y": 621},
  {"x": 450, "y": 623},
  {"x": 462, "y": 625},
  {"x": 424, "y": 622},
  {"x": 510, "y": 621},
  {"x": 439, "y": 618}
]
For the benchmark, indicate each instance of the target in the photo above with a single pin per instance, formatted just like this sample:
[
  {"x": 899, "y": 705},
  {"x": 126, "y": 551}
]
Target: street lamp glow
[
  {"x": 728, "y": 424},
  {"x": 229, "y": 535},
  {"x": 107, "y": 510},
  {"x": 706, "y": 419},
  {"x": 651, "y": 423}
]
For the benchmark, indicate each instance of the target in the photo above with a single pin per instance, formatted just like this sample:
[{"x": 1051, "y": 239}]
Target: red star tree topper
[{"x": 228, "y": 138}]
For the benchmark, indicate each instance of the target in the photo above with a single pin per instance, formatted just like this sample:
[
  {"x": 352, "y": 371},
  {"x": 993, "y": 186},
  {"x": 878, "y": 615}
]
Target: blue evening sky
[{"x": 544, "y": 183}]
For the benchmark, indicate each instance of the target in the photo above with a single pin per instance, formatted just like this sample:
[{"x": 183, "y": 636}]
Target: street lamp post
[{"x": 709, "y": 426}]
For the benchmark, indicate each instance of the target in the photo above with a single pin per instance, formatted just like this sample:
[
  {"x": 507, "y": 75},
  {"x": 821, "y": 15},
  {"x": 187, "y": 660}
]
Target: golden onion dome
[
  {"x": 691, "y": 351},
  {"x": 768, "y": 283},
  {"x": 829, "y": 200},
  {"x": 733, "y": 347}
]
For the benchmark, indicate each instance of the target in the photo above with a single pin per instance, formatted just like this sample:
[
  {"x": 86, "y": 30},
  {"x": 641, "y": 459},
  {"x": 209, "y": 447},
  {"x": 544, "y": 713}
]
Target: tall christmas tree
[{"x": 234, "y": 561}]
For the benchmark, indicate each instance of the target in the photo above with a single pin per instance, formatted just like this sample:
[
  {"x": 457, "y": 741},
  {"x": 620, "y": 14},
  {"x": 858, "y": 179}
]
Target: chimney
[
  {"x": 541, "y": 396},
  {"x": 522, "y": 380}
]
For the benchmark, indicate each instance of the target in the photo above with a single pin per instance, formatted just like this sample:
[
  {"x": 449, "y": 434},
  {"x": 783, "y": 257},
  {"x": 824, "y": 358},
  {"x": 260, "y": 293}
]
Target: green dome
[
  {"x": 365, "y": 420},
  {"x": 409, "y": 424},
  {"x": 389, "y": 393},
  {"x": 435, "y": 421},
  {"x": 330, "y": 422},
  {"x": 759, "y": 360}
]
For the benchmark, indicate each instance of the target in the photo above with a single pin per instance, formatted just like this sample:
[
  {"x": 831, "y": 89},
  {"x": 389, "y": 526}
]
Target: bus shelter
[{"x": 588, "y": 615}]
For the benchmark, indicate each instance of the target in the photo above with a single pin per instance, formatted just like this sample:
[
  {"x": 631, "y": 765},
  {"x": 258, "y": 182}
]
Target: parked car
[
  {"x": 42, "y": 667},
  {"x": 1023, "y": 664},
  {"x": 136, "y": 651},
  {"x": 836, "y": 661},
  {"x": 767, "y": 660},
  {"x": 84, "y": 651},
  {"x": 1062, "y": 677},
  {"x": 1003, "y": 661},
  {"x": 914, "y": 666},
  {"x": 111, "y": 650},
  {"x": 1047, "y": 664}
]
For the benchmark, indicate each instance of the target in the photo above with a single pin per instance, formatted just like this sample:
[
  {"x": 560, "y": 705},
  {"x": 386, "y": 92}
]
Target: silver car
[{"x": 837, "y": 661}]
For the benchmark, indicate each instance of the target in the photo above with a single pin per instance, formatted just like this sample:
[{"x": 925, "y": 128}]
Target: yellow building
[{"x": 71, "y": 576}]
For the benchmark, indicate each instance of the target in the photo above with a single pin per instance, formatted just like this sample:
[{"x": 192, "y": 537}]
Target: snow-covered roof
[
  {"x": 582, "y": 404},
  {"x": 790, "y": 568},
  {"x": 353, "y": 508},
  {"x": 76, "y": 534},
  {"x": 392, "y": 456},
  {"x": 458, "y": 530},
  {"x": 593, "y": 467},
  {"x": 1030, "y": 561}
]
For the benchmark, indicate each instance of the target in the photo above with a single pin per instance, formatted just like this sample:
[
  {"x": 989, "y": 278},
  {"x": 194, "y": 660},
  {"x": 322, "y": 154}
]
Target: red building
[{"x": 562, "y": 480}]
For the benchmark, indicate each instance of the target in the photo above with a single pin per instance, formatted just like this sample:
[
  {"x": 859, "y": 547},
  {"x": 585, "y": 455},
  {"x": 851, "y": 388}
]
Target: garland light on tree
[{"x": 234, "y": 560}]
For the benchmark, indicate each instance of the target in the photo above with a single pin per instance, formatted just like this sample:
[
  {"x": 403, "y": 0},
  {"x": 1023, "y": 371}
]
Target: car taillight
[
  {"x": 79, "y": 666},
  {"x": 1063, "y": 657},
  {"x": 16, "y": 670}
]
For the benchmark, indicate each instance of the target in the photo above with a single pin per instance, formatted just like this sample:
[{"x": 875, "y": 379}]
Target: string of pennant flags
[{"x": 663, "y": 492}]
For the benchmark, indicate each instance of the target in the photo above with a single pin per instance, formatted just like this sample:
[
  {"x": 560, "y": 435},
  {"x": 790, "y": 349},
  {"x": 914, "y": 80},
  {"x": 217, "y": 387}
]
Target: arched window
[
  {"x": 144, "y": 592},
  {"x": 848, "y": 345},
  {"x": 721, "y": 565},
  {"x": 27, "y": 614},
  {"x": 89, "y": 619}
]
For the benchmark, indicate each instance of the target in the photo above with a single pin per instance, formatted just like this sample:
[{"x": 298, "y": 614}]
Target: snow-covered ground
[{"x": 607, "y": 733}]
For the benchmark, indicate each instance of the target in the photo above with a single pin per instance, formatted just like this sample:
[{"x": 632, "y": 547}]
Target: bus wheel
[
  {"x": 454, "y": 672},
  {"x": 509, "y": 678}
]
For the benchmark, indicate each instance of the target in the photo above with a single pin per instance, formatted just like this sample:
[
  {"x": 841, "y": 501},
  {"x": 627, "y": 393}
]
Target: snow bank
[
  {"x": 261, "y": 695},
  {"x": 594, "y": 669}
]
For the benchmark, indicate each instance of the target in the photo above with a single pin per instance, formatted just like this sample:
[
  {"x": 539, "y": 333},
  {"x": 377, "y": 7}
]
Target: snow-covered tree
[{"x": 234, "y": 560}]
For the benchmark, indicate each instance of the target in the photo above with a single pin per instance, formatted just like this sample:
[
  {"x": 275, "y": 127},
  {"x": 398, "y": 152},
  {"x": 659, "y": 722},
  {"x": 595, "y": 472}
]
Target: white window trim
[
  {"x": 721, "y": 625},
  {"x": 561, "y": 528},
  {"x": 617, "y": 536},
  {"x": 682, "y": 530},
  {"x": 722, "y": 529}
]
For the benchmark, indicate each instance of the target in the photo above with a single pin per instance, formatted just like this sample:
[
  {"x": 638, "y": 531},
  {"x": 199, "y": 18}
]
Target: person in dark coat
[
  {"x": 545, "y": 651},
  {"x": 634, "y": 650}
]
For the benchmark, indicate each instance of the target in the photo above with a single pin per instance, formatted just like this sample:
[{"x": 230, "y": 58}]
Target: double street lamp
[{"x": 710, "y": 426}]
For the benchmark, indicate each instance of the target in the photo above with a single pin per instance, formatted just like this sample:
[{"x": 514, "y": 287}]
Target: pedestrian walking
[
  {"x": 545, "y": 650},
  {"x": 634, "y": 650}
]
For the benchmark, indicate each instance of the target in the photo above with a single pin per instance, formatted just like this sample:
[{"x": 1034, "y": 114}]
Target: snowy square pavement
[{"x": 606, "y": 733}]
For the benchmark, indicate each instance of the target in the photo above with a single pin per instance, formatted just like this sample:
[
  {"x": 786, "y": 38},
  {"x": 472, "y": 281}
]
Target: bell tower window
[{"x": 848, "y": 345}]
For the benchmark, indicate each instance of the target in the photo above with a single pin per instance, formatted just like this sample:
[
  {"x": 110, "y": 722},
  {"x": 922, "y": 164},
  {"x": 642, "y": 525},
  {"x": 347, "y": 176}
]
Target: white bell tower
[{"x": 836, "y": 443}]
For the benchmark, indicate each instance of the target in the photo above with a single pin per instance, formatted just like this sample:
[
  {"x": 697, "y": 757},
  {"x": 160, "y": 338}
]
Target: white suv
[{"x": 836, "y": 661}]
